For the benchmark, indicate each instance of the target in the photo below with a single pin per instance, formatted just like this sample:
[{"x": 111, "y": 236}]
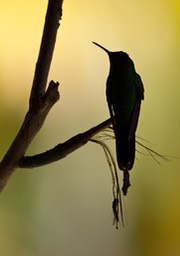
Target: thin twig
[
  {"x": 53, "y": 15},
  {"x": 62, "y": 150}
]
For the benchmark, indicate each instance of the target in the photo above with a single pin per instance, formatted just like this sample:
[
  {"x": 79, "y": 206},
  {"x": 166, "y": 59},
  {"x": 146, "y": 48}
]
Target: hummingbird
[{"x": 124, "y": 92}]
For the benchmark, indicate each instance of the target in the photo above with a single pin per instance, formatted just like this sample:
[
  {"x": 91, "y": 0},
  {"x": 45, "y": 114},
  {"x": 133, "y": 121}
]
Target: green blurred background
[{"x": 65, "y": 208}]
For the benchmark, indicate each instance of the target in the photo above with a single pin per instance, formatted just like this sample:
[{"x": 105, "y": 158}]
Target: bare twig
[
  {"x": 53, "y": 15},
  {"x": 62, "y": 150}
]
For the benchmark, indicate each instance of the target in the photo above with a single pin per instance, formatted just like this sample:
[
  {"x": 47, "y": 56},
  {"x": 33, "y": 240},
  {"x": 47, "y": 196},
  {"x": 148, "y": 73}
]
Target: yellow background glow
[{"x": 65, "y": 208}]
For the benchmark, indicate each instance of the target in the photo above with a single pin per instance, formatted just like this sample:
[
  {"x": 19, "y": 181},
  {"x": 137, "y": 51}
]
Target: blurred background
[{"x": 65, "y": 208}]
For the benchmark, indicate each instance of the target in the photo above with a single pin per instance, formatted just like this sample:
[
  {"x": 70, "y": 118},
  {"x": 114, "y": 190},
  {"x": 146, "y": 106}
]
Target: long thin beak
[{"x": 108, "y": 52}]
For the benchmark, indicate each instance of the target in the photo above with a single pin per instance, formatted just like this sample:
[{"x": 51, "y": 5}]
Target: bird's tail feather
[{"x": 125, "y": 148}]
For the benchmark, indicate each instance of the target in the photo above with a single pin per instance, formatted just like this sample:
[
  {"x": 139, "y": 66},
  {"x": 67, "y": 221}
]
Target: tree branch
[
  {"x": 54, "y": 13},
  {"x": 41, "y": 101},
  {"x": 62, "y": 150}
]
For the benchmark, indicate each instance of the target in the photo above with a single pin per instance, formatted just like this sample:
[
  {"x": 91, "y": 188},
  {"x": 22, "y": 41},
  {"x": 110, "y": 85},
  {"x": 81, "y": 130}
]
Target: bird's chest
[
  {"x": 121, "y": 93},
  {"x": 121, "y": 89}
]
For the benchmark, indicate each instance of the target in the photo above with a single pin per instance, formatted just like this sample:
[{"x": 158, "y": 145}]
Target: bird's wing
[
  {"x": 137, "y": 105},
  {"x": 139, "y": 86}
]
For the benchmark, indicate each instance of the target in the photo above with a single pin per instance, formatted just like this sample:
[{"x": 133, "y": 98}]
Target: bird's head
[{"x": 118, "y": 59}]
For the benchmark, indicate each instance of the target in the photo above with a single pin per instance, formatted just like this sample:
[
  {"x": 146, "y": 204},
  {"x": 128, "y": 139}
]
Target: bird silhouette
[{"x": 124, "y": 92}]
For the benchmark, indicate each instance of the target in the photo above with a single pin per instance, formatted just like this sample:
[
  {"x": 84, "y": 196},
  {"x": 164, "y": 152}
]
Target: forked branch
[{"x": 41, "y": 100}]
